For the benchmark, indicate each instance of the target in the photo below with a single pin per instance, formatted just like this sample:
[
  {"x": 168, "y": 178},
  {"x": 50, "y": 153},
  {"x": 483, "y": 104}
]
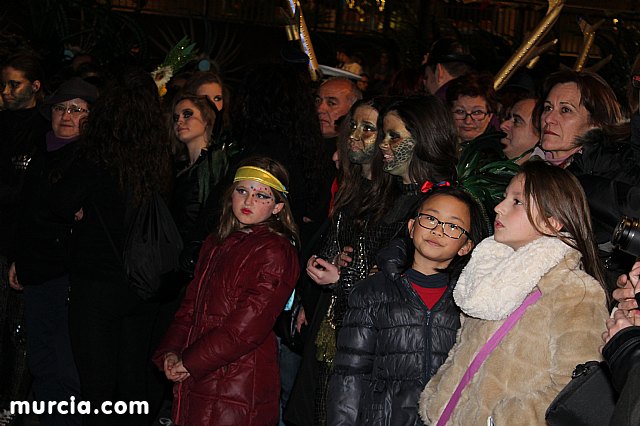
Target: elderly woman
[
  {"x": 39, "y": 252},
  {"x": 579, "y": 114},
  {"x": 583, "y": 130}
]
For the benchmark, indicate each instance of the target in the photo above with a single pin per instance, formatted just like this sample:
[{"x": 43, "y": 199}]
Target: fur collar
[{"x": 497, "y": 279}]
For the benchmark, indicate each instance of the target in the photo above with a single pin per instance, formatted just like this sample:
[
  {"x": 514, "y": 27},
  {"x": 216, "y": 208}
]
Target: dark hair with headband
[{"x": 281, "y": 223}]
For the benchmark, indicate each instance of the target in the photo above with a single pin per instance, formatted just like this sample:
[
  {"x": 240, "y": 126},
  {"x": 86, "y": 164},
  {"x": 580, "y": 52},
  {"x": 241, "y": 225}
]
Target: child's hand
[
  {"x": 321, "y": 271},
  {"x": 180, "y": 372},
  {"x": 171, "y": 362}
]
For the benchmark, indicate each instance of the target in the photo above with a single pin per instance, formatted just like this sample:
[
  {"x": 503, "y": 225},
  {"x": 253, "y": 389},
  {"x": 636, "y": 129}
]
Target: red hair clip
[{"x": 428, "y": 185}]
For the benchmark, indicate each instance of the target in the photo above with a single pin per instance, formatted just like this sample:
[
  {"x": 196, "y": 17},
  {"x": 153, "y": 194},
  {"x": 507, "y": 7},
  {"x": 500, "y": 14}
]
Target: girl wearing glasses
[
  {"x": 402, "y": 322},
  {"x": 416, "y": 141},
  {"x": 542, "y": 263}
]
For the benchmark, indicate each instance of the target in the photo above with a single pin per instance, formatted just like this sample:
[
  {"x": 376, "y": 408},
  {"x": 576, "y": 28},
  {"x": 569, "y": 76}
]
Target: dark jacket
[
  {"x": 90, "y": 187},
  {"x": 609, "y": 174},
  {"x": 389, "y": 347},
  {"x": 622, "y": 353},
  {"x": 22, "y": 133},
  {"x": 223, "y": 330},
  {"x": 41, "y": 240}
]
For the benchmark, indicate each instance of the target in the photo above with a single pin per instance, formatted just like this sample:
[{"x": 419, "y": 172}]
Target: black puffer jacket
[
  {"x": 389, "y": 347},
  {"x": 622, "y": 353}
]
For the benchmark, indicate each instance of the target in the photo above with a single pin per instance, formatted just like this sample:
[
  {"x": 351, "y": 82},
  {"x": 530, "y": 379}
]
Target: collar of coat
[{"x": 497, "y": 278}]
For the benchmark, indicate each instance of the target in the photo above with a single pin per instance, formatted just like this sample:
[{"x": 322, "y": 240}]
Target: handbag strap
[{"x": 485, "y": 352}]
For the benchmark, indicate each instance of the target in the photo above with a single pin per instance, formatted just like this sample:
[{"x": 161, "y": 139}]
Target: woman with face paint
[
  {"x": 357, "y": 217},
  {"x": 371, "y": 208},
  {"x": 418, "y": 142}
]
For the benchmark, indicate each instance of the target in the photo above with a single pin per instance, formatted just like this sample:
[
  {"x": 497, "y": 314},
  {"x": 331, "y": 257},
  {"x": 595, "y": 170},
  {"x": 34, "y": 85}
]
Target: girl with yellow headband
[{"x": 220, "y": 351}]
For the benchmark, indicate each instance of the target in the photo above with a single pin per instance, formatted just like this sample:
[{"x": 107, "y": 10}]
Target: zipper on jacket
[{"x": 427, "y": 358}]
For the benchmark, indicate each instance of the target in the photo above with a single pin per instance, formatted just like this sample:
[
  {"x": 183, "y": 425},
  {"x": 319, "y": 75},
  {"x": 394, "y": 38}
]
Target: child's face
[
  {"x": 253, "y": 202},
  {"x": 434, "y": 248},
  {"x": 512, "y": 226}
]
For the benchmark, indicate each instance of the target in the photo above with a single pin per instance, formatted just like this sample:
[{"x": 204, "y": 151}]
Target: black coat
[
  {"x": 22, "y": 133},
  {"x": 389, "y": 347},
  {"x": 609, "y": 174},
  {"x": 40, "y": 245},
  {"x": 622, "y": 353}
]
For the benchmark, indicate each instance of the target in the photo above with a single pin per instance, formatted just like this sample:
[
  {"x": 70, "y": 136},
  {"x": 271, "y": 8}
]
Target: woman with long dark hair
[{"x": 123, "y": 160}]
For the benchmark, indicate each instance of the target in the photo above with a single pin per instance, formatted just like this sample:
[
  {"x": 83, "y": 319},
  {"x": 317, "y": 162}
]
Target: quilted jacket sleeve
[
  {"x": 269, "y": 280},
  {"x": 353, "y": 362}
]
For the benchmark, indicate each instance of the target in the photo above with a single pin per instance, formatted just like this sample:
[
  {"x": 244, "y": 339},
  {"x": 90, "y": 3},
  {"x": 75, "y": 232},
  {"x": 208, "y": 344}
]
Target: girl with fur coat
[{"x": 542, "y": 255}]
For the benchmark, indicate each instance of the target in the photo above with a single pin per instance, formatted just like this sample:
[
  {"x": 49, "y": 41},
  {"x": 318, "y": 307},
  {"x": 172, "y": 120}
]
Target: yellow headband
[{"x": 259, "y": 175}]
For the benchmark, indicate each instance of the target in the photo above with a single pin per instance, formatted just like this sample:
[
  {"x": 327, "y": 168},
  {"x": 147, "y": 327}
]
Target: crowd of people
[{"x": 439, "y": 253}]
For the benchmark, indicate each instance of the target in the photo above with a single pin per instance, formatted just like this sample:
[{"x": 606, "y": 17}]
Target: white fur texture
[{"x": 497, "y": 279}]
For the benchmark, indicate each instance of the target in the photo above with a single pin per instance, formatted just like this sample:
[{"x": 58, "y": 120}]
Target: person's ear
[
  {"x": 466, "y": 248},
  {"x": 555, "y": 225},
  {"x": 278, "y": 207},
  {"x": 440, "y": 74},
  {"x": 35, "y": 85},
  {"x": 410, "y": 226}
]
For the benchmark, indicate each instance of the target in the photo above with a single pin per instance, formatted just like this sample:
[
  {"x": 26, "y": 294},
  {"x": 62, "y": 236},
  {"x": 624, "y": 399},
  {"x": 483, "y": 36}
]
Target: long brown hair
[
  {"x": 281, "y": 223},
  {"x": 556, "y": 193},
  {"x": 363, "y": 203},
  {"x": 125, "y": 135}
]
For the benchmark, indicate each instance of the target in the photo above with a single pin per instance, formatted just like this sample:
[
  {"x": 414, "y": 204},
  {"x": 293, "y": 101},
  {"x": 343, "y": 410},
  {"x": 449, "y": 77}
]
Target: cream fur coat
[{"x": 534, "y": 361}]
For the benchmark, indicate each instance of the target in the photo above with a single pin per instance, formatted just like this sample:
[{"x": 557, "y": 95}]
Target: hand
[
  {"x": 171, "y": 363},
  {"x": 13, "y": 278},
  {"x": 617, "y": 323},
  {"x": 344, "y": 259},
  {"x": 78, "y": 215},
  {"x": 625, "y": 294},
  {"x": 301, "y": 320},
  {"x": 180, "y": 371},
  {"x": 321, "y": 271}
]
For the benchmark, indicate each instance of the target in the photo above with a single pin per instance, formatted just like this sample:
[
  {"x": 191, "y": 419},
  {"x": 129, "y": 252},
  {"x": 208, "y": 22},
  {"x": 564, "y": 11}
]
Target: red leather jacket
[{"x": 223, "y": 330}]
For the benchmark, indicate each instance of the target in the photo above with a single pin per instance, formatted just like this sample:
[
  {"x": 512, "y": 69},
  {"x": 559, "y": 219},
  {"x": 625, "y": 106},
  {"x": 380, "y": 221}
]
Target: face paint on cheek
[
  {"x": 402, "y": 153},
  {"x": 364, "y": 155}
]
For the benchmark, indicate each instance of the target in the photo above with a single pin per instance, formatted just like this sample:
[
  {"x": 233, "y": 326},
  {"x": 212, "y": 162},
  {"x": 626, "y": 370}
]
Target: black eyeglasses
[
  {"x": 73, "y": 109},
  {"x": 460, "y": 114},
  {"x": 451, "y": 230}
]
